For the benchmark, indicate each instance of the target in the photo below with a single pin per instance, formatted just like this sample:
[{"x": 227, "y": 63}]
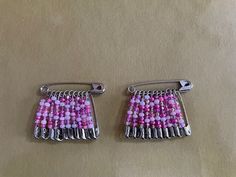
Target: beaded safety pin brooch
[
  {"x": 67, "y": 114},
  {"x": 157, "y": 114}
]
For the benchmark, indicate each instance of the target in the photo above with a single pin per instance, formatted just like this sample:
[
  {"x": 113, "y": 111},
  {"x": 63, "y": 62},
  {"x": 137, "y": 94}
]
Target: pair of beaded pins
[
  {"x": 157, "y": 114},
  {"x": 67, "y": 114}
]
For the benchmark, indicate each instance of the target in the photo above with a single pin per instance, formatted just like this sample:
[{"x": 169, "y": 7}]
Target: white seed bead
[
  {"x": 158, "y": 118},
  {"x": 151, "y": 104},
  {"x": 62, "y": 104},
  {"x": 56, "y": 117},
  {"x": 67, "y": 117},
  {"x": 67, "y": 113},
  {"x": 62, "y": 118},
  {"x": 142, "y": 103},
  {"x": 67, "y": 106},
  {"x": 62, "y": 126},
  {"x": 129, "y": 112},
  {"x": 163, "y": 119},
  {"x": 47, "y": 104},
  {"x": 141, "y": 114},
  {"x": 57, "y": 102},
  {"x": 178, "y": 111},
  {"x": 152, "y": 119},
  {"x": 77, "y": 108},
  {"x": 38, "y": 114},
  {"x": 156, "y": 101},
  {"x": 87, "y": 103},
  {"x": 54, "y": 98},
  {"x": 74, "y": 125},
  {"x": 45, "y": 114},
  {"x": 72, "y": 103},
  {"x": 89, "y": 117},
  {"x": 68, "y": 126},
  {"x": 44, "y": 122}
]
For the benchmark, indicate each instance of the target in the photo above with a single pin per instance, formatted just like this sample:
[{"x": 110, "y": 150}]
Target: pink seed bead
[
  {"x": 37, "y": 121},
  {"x": 161, "y": 99}
]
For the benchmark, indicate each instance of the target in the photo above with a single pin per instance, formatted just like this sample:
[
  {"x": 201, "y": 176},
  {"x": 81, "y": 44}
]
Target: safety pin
[
  {"x": 185, "y": 85},
  {"x": 96, "y": 88}
]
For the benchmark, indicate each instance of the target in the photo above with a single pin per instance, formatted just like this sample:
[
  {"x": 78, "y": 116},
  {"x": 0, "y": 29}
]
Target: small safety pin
[
  {"x": 185, "y": 85},
  {"x": 96, "y": 88}
]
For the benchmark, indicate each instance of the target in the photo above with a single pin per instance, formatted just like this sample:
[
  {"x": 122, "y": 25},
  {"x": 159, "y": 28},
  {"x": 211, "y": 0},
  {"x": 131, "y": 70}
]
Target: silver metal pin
[
  {"x": 44, "y": 133},
  {"x": 36, "y": 132},
  {"x": 184, "y": 85},
  {"x": 70, "y": 133},
  {"x": 171, "y": 131},
  {"x": 127, "y": 131},
  {"x": 51, "y": 134},
  {"x": 159, "y": 133},
  {"x": 148, "y": 133},
  {"x": 135, "y": 132},
  {"x": 182, "y": 133},
  {"x": 187, "y": 130},
  {"x": 58, "y": 134},
  {"x": 83, "y": 134},
  {"x": 77, "y": 133},
  {"x": 65, "y": 134},
  {"x": 92, "y": 133},
  {"x": 165, "y": 133},
  {"x": 176, "y": 130},
  {"x": 154, "y": 133},
  {"x": 142, "y": 133}
]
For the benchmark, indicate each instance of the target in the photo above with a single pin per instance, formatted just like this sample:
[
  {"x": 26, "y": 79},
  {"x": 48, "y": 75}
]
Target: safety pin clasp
[
  {"x": 184, "y": 85},
  {"x": 96, "y": 88}
]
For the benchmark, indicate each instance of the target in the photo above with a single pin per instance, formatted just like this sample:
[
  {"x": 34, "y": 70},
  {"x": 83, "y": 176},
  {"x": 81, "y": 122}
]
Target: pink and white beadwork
[
  {"x": 67, "y": 117},
  {"x": 155, "y": 115}
]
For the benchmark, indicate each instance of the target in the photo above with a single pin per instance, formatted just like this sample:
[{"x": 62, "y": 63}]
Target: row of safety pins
[{"x": 69, "y": 114}]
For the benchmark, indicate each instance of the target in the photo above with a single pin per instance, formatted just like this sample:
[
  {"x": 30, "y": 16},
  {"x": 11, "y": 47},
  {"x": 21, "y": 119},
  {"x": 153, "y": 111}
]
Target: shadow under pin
[
  {"x": 37, "y": 132},
  {"x": 44, "y": 133}
]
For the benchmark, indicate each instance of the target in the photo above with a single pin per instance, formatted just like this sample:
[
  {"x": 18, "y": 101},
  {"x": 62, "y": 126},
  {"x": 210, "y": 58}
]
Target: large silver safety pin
[
  {"x": 96, "y": 87},
  {"x": 184, "y": 85}
]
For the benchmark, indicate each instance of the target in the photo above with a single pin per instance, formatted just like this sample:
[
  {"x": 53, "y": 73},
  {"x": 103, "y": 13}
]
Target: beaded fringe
[
  {"x": 68, "y": 117},
  {"x": 156, "y": 115}
]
